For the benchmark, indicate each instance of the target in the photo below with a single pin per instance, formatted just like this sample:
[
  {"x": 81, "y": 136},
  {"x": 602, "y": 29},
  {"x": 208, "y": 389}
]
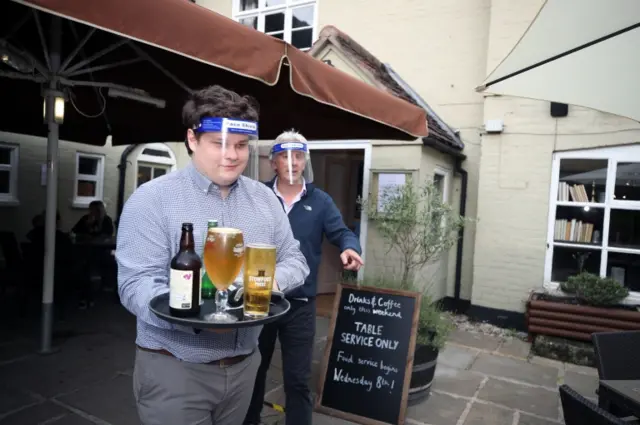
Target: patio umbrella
[
  {"x": 579, "y": 52},
  {"x": 125, "y": 68}
]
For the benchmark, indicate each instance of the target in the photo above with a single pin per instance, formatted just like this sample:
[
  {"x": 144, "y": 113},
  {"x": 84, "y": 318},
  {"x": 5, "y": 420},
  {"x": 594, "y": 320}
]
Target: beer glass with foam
[{"x": 223, "y": 258}]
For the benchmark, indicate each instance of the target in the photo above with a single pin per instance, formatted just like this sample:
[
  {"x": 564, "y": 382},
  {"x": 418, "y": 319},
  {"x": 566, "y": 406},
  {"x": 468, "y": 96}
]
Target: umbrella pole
[{"x": 52, "y": 193}]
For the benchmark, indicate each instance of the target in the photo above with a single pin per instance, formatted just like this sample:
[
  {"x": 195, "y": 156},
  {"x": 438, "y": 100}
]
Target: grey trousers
[{"x": 172, "y": 392}]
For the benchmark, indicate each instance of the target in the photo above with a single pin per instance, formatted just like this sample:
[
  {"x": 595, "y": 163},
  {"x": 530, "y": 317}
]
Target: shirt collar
[
  {"x": 301, "y": 194},
  {"x": 201, "y": 180}
]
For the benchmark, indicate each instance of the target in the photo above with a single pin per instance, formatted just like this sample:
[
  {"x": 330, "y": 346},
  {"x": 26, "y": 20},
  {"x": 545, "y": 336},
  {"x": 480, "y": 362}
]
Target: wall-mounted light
[{"x": 59, "y": 99}]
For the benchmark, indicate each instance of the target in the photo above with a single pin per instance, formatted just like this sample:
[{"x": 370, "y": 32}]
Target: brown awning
[{"x": 175, "y": 46}]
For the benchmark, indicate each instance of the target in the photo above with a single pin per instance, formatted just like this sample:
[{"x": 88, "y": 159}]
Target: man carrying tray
[
  {"x": 313, "y": 215},
  {"x": 183, "y": 376}
]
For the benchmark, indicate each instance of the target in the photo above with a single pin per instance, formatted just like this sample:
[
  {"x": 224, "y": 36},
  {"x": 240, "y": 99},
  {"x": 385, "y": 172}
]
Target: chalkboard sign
[{"x": 367, "y": 364}]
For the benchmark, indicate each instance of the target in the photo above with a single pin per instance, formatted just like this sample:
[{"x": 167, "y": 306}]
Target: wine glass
[{"x": 223, "y": 259}]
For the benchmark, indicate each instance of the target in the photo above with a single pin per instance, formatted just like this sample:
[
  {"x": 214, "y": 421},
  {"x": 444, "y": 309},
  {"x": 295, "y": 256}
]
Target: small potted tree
[{"x": 419, "y": 228}]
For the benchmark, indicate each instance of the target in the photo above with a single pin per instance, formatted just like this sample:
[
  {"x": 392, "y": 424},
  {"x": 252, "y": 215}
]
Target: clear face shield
[
  {"x": 238, "y": 142},
  {"x": 294, "y": 158}
]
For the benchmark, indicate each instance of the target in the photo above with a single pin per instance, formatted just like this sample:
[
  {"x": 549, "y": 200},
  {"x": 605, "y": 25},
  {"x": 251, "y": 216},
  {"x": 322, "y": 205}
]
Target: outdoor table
[
  {"x": 98, "y": 243},
  {"x": 622, "y": 393}
]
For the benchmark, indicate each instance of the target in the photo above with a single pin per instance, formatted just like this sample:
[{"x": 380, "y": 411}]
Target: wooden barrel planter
[
  {"x": 567, "y": 319},
  {"x": 424, "y": 369}
]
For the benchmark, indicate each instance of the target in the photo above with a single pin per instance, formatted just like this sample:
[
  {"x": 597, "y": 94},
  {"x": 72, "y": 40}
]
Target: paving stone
[
  {"x": 71, "y": 419},
  {"x": 276, "y": 396},
  {"x": 532, "y": 420},
  {"x": 482, "y": 414},
  {"x": 276, "y": 359},
  {"x": 515, "y": 347},
  {"x": 543, "y": 361},
  {"x": 456, "y": 357},
  {"x": 538, "y": 401},
  {"x": 271, "y": 417},
  {"x": 584, "y": 384},
  {"x": 516, "y": 369},
  {"x": 16, "y": 350},
  {"x": 34, "y": 415},
  {"x": 456, "y": 381},
  {"x": 318, "y": 351},
  {"x": 322, "y": 327},
  {"x": 585, "y": 370},
  {"x": 274, "y": 378},
  {"x": 322, "y": 419},
  {"x": 438, "y": 409},
  {"x": 13, "y": 398},
  {"x": 111, "y": 401},
  {"x": 81, "y": 361},
  {"x": 475, "y": 340}
]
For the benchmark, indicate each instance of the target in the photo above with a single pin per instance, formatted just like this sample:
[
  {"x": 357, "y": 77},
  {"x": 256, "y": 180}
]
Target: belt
[{"x": 229, "y": 361}]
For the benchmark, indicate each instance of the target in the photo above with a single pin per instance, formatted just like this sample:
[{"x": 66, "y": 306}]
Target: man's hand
[{"x": 351, "y": 260}]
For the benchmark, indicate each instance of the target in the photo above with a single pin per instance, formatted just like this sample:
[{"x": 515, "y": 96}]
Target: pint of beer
[
  {"x": 223, "y": 255},
  {"x": 259, "y": 272}
]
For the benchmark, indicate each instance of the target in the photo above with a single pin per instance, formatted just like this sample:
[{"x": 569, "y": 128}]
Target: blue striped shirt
[{"x": 149, "y": 236}]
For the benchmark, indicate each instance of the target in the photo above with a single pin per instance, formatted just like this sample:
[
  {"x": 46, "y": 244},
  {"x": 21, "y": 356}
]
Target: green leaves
[
  {"x": 595, "y": 290},
  {"x": 416, "y": 222}
]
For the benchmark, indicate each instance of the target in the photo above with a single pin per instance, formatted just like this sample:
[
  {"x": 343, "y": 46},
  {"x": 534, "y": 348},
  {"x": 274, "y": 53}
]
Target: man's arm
[
  {"x": 143, "y": 255},
  {"x": 335, "y": 229},
  {"x": 291, "y": 266}
]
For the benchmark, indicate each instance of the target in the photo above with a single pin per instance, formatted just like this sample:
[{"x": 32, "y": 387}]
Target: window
[
  {"x": 148, "y": 172},
  {"x": 89, "y": 180},
  {"x": 441, "y": 182},
  {"x": 290, "y": 20},
  {"x": 8, "y": 173},
  {"x": 594, "y": 217},
  {"x": 155, "y": 160}
]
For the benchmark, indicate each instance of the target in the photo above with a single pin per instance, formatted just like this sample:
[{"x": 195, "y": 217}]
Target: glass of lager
[
  {"x": 259, "y": 272},
  {"x": 223, "y": 258}
]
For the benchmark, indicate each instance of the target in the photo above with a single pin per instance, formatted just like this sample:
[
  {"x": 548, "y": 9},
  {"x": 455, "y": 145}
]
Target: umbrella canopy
[
  {"x": 159, "y": 50},
  {"x": 579, "y": 52},
  {"x": 126, "y": 68}
]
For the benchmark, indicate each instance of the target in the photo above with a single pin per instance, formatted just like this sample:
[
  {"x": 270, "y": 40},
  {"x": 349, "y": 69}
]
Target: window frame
[
  {"x": 613, "y": 155},
  {"x": 445, "y": 173},
  {"x": 84, "y": 201},
  {"x": 11, "y": 198},
  {"x": 154, "y": 161},
  {"x": 289, "y": 5}
]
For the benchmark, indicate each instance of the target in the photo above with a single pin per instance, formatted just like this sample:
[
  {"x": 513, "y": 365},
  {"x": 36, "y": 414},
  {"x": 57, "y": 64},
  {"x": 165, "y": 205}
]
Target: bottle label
[{"x": 180, "y": 289}]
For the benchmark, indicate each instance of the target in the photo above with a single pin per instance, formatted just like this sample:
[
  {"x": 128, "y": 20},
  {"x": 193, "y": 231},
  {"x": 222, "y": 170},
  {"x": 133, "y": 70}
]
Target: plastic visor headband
[
  {"x": 290, "y": 146},
  {"x": 227, "y": 125}
]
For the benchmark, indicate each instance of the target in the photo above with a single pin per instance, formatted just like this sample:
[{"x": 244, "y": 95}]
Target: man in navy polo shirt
[{"x": 313, "y": 215}]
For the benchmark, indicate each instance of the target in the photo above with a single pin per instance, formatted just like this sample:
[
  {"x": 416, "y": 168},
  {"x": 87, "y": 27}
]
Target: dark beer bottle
[{"x": 184, "y": 279}]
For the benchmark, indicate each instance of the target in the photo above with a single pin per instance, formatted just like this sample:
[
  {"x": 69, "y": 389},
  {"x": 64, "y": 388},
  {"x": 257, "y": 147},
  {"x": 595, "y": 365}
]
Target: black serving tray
[{"x": 159, "y": 305}]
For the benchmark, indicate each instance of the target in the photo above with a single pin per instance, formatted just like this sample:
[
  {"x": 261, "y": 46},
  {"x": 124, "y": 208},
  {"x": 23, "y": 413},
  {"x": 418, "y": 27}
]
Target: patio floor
[{"x": 479, "y": 379}]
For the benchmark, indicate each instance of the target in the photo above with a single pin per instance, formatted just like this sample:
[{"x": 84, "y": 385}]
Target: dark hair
[
  {"x": 96, "y": 203},
  {"x": 216, "y": 101}
]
